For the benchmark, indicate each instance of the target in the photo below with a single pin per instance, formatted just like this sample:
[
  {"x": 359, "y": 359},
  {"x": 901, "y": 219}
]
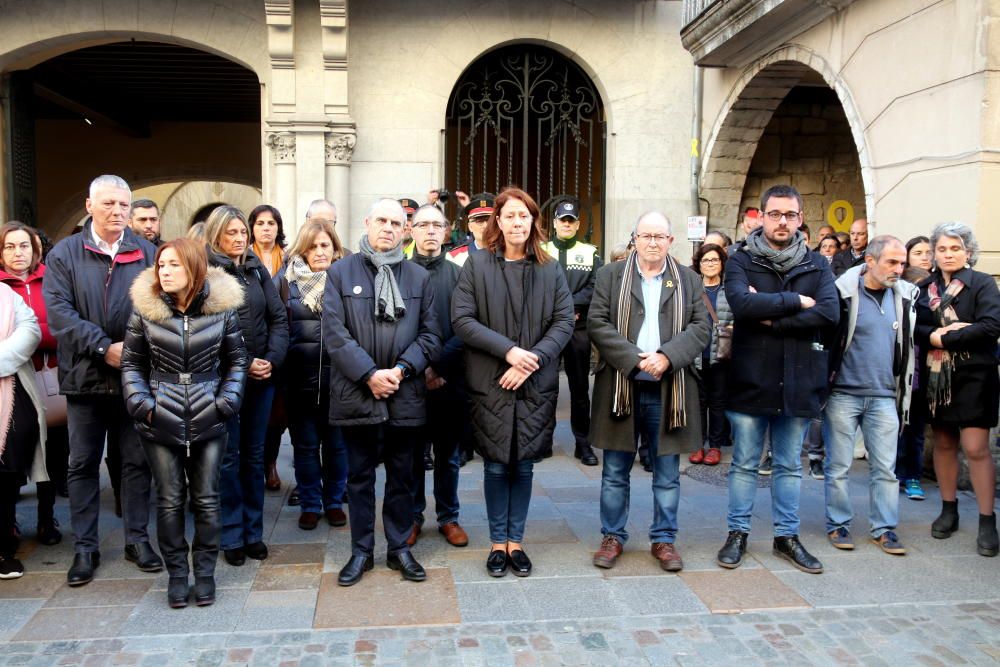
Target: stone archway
[
  {"x": 746, "y": 113},
  {"x": 180, "y": 208}
]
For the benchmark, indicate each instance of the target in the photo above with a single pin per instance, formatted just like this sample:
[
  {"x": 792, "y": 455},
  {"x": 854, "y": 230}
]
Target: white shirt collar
[
  {"x": 109, "y": 248},
  {"x": 659, "y": 273}
]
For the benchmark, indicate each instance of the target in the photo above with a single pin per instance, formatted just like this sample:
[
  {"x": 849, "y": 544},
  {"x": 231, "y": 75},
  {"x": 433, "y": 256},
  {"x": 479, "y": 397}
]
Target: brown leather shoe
[
  {"x": 271, "y": 480},
  {"x": 336, "y": 517},
  {"x": 609, "y": 552},
  {"x": 308, "y": 520},
  {"x": 669, "y": 559},
  {"x": 454, "y": 533},
  {"x": 414, "y": 534}
]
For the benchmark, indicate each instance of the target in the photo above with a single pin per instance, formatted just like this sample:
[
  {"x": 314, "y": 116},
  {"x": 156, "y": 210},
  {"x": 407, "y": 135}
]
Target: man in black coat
[
  {"x": 86, "y": 292},
  {"x": 446, "y": 409},
  {"x": 380, "y": 327},
  {"x": 784, "y": 300},
  {"x": 855, "y": 255}
]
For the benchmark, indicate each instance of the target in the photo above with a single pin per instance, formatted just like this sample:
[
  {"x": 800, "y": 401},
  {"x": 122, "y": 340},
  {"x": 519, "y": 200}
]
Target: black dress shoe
[
  {"x": 48, "y": 532},
  {"x": 82, "y": 570},
  {"x": 520, "y": 564},
  {"x": 234, "y": 557},
  {"x": 497, "y": 563},
  {"x": 178, "y": 592},
  {"x": 586, "y": 455},
  {"x": 293, "y": 498},
  {"x": 428, "y": 461},
  {"x": 204, "y": 591},
  {"x": 255, "y": 550},
  {"x": 144, "y": 557},
  {"x": 646, "y": 465},
  {"x": 731, "y": 554},
  {"x": 351, "y": 573},
  {"x": 407, "y": 566},
  {"x": 792, "y": 550}
]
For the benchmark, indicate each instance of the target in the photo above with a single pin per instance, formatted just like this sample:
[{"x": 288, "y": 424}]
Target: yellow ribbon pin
[
  {"x": 694, "y": 148},
  {"x": 669, "y": 283}
]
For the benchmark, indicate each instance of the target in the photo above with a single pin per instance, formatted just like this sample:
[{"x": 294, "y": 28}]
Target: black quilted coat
[
  {"x": 206, "y": 342},
  {"x": 482, "y": 316}
]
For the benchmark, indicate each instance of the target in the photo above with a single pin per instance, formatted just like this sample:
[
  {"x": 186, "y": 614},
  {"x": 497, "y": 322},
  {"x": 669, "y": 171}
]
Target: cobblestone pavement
[{"x": 938, "y": 605}]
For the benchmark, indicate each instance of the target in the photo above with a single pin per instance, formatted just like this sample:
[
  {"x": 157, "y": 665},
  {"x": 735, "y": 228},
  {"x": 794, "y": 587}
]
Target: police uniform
[
  {"x": 409, "y": 206},
  {"x": 580, "y": 261},
  {"x": 481, "y": 204}
]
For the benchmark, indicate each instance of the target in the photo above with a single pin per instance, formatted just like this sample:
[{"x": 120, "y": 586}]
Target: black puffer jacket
[
  {"x": 359, "y": 345},
  {"x": 307, "y": 366},
  {"x": 205, "y": 341},
  {"x": 483, "y": 317},
  {"x": 262, "y": 315},
  {"x": 86, "y": 297}
]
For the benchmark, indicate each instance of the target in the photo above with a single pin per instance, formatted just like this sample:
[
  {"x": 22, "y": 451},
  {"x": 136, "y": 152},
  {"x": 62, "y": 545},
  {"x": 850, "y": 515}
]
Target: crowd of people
[{"x": 190, "y": 358}]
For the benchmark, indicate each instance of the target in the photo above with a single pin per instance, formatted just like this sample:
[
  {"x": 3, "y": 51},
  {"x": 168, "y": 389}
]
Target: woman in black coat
[
  {"x": 958, "y": 322},
  {"x": 265, "y": 332},
  {"x": 183, "y": 369},
  {"x": 513, "y": 310},
  {"x": 320, "y": 455}
]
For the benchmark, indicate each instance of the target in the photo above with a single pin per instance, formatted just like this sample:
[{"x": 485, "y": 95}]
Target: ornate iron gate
[{"x": 526, "y": 115}]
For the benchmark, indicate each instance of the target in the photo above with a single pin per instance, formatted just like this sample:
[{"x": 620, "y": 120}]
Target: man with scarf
[
  {"x": 446, "y": 409},
  {"x": 649, "y": 322},
  {"x": 785, "y": 302},
  {"x": 381, "y": 330}
]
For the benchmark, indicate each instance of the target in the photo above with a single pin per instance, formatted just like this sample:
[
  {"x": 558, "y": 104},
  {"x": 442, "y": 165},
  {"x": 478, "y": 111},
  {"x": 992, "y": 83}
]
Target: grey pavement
[{"x": 938, "y": 605}]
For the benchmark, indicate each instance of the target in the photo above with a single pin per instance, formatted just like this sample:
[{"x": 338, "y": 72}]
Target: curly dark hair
[{"x": 704, "y": 250}]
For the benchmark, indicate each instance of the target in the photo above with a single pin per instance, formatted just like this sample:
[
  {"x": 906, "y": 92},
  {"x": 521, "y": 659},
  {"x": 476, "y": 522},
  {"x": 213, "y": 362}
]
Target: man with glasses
[
  {"x": 649, "y": 322},
  {"x": 322, "y": 210},
  {"x": 446, "y": 415},
  {"x": 784, "y": 300},
  {"x": 580, "y": 262},
  {"x": 380, "y": 327},
  {"x": 855, "y": 255}
]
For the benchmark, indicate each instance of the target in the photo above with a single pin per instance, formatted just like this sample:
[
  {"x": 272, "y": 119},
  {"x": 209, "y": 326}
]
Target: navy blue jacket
[
  {"x": 87, "y": 299},
  {"x": 359, "y": 345},
  {"x": 780, "y": 369}
]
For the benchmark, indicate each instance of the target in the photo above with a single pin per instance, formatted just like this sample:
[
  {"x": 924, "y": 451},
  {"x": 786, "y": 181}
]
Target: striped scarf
[
  {"x": 939, "y": 361},
  {"x": 621, "y": 401}
]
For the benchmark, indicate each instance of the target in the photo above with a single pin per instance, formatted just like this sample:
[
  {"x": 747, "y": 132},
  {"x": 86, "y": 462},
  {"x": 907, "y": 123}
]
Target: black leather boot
[
  {"x": 947, "y": 521},
  {"x": 585, "y": 453},
  {"x": 204, "y": 591},
  {"x": 177, "y": 592},
  {"x": 789, "y": 548},
  {"x": 731, "y": 554},
  {"x": 987, "y": 543}
]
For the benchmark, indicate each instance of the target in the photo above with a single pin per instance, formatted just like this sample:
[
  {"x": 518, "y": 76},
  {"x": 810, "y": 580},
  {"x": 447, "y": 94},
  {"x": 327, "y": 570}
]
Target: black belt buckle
[{"x": 184, "y": 378}]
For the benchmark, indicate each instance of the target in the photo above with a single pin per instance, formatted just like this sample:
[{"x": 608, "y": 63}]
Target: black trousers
[
  {"x": 712, "y": 395},
  {"x": 576, "y": 361},
  {"x": 397, "y": 445},
  {"x": 176, "y": 471},
  {"x": 10, "y": 484},
  {"x": 91, "y": 420}
]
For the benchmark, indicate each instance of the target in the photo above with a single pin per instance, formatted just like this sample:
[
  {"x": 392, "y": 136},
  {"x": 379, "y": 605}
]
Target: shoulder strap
[{"x": 711, "y": 309}]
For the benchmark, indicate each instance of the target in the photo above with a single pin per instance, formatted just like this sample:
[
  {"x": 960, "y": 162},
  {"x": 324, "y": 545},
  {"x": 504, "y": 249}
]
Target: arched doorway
[
  {"x": 150, "y": 112},
  {"x": 788, "y": 122},
  {"x": 528, "y": 116}
]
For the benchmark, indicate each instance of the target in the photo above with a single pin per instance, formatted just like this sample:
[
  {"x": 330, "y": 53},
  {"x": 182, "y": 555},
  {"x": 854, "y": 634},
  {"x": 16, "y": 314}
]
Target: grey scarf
[
  {"x": 389, "y": 305},
  {"x": 783, "y": 260}
]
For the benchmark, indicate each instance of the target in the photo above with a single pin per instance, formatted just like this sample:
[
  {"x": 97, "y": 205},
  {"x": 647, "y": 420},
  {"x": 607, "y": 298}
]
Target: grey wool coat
[{"x": 621, "y": 353}]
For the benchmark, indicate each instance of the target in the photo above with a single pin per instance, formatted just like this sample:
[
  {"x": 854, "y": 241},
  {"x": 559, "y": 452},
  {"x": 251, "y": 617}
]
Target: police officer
[
  {"x": 409, "y": 205},
  {"x": 580, "y": 261},
  {"x": 477, "y": 213}
]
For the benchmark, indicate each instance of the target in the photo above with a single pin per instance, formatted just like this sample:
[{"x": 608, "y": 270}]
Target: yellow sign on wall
[{"x": 840, "y": 215}]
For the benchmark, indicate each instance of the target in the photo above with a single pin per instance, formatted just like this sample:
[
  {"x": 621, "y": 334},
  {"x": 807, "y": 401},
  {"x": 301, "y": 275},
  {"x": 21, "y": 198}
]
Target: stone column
[
  {"x": 282, "y": 149},
  {"x": 339, "y": 149}
]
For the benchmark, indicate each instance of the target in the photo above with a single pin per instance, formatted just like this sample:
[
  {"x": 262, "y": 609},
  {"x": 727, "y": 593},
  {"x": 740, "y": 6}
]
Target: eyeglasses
[
  {"x": 424, "y": 224},
  {"x": 790, "y": 216},
  {"x": 711, "y": 260},
  {"x": 328, "y": 221},
  {"x": 652, "y": 238}
]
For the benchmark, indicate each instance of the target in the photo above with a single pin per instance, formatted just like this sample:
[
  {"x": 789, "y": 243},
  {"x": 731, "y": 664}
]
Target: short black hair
[
  {"x": 144, "y": 203},
  {"x": 785, "y": 191}
]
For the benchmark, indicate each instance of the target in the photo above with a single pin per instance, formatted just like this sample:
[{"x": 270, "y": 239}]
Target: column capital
[
  {"x": 340, "y": 147},
  {"x": 282, "y": 145}
]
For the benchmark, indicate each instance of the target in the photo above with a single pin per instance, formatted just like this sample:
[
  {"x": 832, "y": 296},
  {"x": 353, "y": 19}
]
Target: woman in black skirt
[
  {"x": 22, "y": 418},
  {"x": 958, "y": 322}
]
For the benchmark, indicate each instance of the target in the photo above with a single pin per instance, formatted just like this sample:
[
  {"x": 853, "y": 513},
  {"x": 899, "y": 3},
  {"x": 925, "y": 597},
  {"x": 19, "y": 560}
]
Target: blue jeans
[
  {"x": 786, "y": 464},
  {"x": 320, "y": 455},
  {"x": 241, "y": 484},
  {"x": 441, "y": 430},
  {"x": 880, "y": 425},
  {"x": 666, "y": 474},
  {"x": 508, "y": 493}
]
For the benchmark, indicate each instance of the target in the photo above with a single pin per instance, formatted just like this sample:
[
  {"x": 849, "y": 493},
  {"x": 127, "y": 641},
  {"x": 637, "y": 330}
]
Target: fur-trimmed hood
[{"x": 221, "y": 292}]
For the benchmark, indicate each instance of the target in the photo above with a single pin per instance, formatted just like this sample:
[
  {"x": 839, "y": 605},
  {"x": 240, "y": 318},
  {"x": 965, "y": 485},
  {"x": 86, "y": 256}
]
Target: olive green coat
[{"x": 619, "y": 352}]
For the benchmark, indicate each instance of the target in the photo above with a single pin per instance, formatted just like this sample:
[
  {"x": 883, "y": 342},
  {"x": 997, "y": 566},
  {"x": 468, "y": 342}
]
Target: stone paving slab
[
  {"x": 384, "y": 598},
  {"x": 741, "y": 590}
]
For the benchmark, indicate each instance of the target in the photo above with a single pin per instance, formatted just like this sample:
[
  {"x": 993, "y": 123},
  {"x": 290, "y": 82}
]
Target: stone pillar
[
  {"x": 339, "y": 149},
  {"x": 283, "y": 191}
]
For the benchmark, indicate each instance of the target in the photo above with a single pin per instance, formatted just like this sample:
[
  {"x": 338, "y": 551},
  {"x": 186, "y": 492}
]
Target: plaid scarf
[
  {"x": 939, "y": 361},
  {"x": 311, "y": 283},
  {"x": 621, "y": 401}
]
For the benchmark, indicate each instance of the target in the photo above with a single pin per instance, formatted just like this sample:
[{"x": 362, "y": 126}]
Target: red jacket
[{"x": 31, "y": 291}]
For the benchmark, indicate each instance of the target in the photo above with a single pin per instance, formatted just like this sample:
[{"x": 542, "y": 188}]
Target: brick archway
[{"x": 747, "y": 111}]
